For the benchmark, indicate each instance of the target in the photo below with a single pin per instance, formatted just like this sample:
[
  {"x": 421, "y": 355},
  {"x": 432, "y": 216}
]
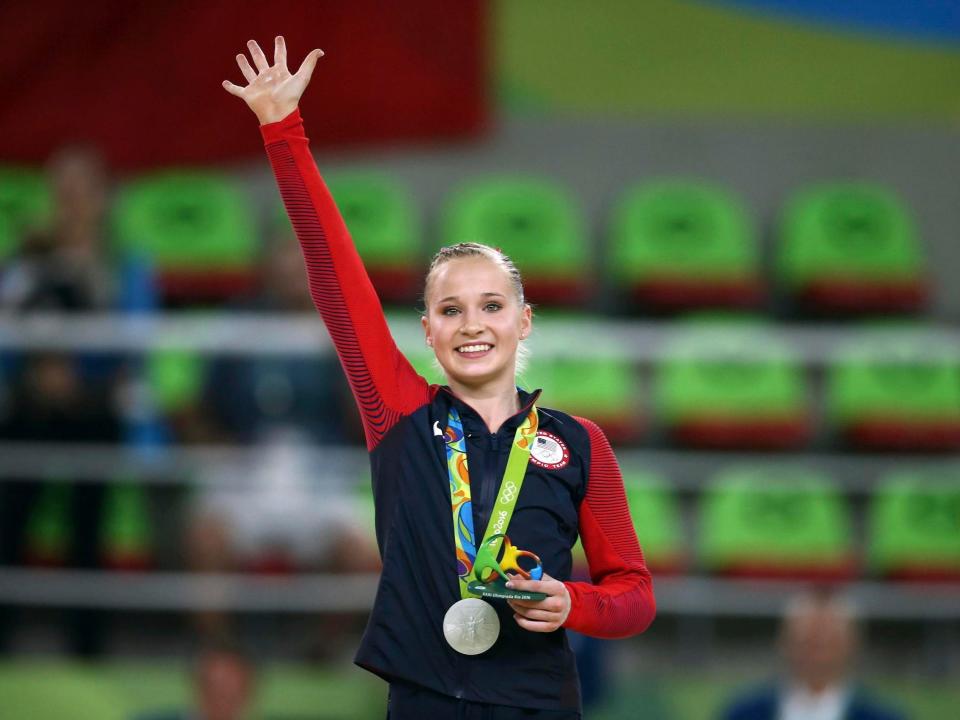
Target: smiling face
[{"x": 474, "y": 322}]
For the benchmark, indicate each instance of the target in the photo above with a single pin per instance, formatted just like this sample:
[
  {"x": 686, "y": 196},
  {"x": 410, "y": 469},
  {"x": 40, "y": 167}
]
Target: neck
[{"x": 494, "y": 402}]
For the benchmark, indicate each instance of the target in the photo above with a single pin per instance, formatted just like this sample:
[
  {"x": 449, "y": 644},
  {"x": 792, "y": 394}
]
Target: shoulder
[
  {"x": 865, "y": 706},
  {"x": 757, "y": 703},
  {"x": 578, "y": 432}
]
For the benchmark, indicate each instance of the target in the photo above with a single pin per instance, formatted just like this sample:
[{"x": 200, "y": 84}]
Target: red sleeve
[
  {"x": 384, "y": 383},
  {"x": 619, "y": 602}
]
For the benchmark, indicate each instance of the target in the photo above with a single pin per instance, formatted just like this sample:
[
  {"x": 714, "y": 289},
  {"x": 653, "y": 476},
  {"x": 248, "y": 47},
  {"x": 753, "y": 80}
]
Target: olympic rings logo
[{"x": 509, "y": 491}]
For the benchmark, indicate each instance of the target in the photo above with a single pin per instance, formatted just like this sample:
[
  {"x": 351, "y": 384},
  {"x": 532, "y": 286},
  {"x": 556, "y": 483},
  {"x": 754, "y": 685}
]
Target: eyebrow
[{"x": 457, "y": 297}]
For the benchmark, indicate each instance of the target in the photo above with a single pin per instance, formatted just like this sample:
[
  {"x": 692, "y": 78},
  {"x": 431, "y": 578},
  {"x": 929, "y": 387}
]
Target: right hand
[{"x": 272, "y": 92}]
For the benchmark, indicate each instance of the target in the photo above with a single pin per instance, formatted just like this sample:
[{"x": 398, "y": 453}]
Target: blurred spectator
[
  {"x": 49, "y": 401},
  {"x": 287, "y": 513},
  {"x": 224, "y": 684},
  {"x": 55, "y": 397},
  {"x": 65, "y": 266},
  {"x": 280, "y": 515},
  {"x": 818, "y": 642},
  {"x": 245, "y": 398}
]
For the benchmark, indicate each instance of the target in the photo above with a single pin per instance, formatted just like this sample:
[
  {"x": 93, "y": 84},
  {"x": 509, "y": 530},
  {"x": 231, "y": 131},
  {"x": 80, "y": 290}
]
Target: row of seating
[
  {"x": 754, "y": 521},
  {"x": 125, "y": 540},
  {"x": 787, "y": 521},
  {"x": 732, "y": 385},
  {"x": 673, "y": 245}
]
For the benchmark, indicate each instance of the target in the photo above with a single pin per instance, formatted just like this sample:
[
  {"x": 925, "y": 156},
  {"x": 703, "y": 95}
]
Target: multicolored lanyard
[{"x": 462, "y": 507}]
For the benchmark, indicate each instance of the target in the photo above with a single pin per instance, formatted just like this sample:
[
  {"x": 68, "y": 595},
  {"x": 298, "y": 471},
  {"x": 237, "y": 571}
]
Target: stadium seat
[
  {"x": 850, "y": 248},
  {"x": 604, "y": 389},
  {"x": 197, "y": 229},
  {"x": 9, "y": 239},
  {"x": 384, "y": 225},
  {"x": 125, "y": 535},
  {"x": 49, "y": 527},
  {"x": 536, "y": 223},
  {"x": 655, "y": 512},
  {"x": 679, "y": 245},
  {"x": 914, "y": 526},
  {"x": 423, "y": 361},
  {"x": 896, "y": 394},
  {"x": 731, "y": 385},
  {"x": 175, "y": 379},
  {"x": 775, "y": 521},
  {"x": 24, "y": 204}
]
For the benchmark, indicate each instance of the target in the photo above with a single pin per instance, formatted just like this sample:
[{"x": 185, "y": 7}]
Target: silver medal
[{"x": 471, "y": 626}]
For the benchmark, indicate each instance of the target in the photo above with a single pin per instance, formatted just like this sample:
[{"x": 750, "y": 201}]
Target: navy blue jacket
[
  {"x": 763, "y": 704},
  {"x": 576, "y": 491}
]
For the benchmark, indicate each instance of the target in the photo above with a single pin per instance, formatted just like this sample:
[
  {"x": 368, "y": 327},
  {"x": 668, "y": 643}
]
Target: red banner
[{"x": 142, "y": 80}]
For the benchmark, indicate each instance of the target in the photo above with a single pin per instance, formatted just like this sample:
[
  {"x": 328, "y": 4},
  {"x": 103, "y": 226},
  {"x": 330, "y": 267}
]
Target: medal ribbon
[{"x": 460, "y": 503}]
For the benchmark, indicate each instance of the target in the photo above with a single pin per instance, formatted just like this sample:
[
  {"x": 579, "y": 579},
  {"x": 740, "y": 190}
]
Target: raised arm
[{"x": 384, "y": 384}]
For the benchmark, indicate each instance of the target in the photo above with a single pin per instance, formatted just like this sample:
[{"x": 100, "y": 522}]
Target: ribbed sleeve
[
  {"x": 619, "y": 602},
  {"x": 385, "y": 385}
]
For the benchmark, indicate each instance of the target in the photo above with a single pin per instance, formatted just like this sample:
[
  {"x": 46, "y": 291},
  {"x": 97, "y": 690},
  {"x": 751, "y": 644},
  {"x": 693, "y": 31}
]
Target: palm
[{"x": 272, "y": 92}]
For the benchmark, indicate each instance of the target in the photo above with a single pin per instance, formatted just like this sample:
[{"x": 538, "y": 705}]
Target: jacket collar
[{"x": 472, "y": 420}]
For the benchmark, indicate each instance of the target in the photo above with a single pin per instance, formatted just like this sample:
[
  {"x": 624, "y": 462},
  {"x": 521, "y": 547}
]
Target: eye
[
  {"x": 449, "y": 310},
  {"x": 493, "y": 306}
]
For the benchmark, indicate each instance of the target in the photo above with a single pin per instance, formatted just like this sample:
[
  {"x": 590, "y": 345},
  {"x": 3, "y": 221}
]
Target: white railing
[{"x": 259, "y": 334}]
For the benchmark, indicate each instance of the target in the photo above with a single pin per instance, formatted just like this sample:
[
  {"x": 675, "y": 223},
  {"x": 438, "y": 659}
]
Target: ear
[
  {"x": 426, "y": 331},
  {"x": 526, "y": 321}
]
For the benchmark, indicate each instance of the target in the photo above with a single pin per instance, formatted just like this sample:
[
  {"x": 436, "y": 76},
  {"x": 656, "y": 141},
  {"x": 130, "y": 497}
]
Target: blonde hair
[
  {"x": 495, "y": 255},
  {"x": 473, "y": 249}
]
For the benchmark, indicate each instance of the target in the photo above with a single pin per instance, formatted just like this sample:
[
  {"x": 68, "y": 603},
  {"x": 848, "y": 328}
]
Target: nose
[{"x": 472, "y": 324}]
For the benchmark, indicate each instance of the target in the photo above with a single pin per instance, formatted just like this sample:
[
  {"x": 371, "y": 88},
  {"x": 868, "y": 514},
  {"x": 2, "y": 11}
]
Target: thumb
[{"x": 309, "y": 63}]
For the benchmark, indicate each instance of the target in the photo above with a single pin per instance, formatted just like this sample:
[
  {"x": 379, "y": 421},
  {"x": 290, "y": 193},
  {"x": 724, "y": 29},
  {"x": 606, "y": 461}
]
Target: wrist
[
  {"x": 569, "y": 604},
  {"x": 275, "y": 114}
]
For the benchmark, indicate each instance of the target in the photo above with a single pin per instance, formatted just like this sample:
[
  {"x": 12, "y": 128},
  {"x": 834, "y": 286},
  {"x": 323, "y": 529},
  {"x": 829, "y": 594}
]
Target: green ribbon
[{"x": 470, "y": 558}]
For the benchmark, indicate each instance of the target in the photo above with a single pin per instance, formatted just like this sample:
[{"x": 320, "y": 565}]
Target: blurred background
[{"x": 739, "y": 221}]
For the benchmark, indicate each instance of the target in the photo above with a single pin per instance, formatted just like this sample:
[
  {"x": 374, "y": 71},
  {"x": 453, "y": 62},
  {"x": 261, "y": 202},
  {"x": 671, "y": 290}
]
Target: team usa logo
[{"x": 549, "y": 451}]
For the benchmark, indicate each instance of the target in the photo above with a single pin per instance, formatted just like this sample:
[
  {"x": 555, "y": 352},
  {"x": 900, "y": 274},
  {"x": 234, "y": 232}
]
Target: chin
[{"x": 476, "y": 376}]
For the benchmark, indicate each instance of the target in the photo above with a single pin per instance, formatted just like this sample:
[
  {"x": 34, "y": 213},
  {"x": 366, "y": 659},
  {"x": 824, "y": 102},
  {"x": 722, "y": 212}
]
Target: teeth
[{"x": 473, "y": 348}]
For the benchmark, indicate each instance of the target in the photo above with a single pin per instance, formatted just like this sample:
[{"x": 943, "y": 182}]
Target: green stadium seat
[
  {"x": 896, "y": 394},
  {"x": 9, "y": 239},
  {"x": 384, "y": 225},
  {"x": 681, "y": 245},
  {"x": 536, "y": 223},
  {"x": 424, "y": 362},
  {"x": 125, "y": 531},
  {"x": 196, "y": 228},
  {"x": 604, "y": 389},
  {"x": 914, "y": 526},
  {"x": 25, "y": 203},
  {"x": 775, "y": 521},
  {"x": 175, "y": 378},
  {"x": 49, "y": 528},
  {"x": 850, "y": 248},
  {"x": 655, "y": 511},
  {"x": 731, "y": 385}
]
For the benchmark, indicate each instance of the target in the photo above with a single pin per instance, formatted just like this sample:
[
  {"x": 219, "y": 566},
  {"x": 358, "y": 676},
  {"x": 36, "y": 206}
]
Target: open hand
[
  {"x": 542, "y": 615},
  {"x": 272, "y": 92}
]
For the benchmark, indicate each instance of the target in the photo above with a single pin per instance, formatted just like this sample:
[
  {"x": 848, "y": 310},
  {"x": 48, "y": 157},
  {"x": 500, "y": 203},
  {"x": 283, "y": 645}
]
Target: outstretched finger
[
  {"x": 232, "y": 89},
  {"x": 308, "y": 64},
  {"x": 245, "y": 68},
  {"x": 280, "y": 52},
  {"x": 259, "y": 59}
]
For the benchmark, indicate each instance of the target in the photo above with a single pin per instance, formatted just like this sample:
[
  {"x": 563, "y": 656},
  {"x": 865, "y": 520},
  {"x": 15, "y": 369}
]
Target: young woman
[{"x": 475, "y": 453}]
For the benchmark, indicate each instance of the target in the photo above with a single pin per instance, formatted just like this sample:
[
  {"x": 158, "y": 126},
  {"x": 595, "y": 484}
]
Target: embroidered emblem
[{"x": 549, "y": 451}]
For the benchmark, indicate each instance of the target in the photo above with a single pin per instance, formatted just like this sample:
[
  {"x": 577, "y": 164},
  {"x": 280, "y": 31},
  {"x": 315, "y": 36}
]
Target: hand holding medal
[{"x": 544, "y": 615}]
